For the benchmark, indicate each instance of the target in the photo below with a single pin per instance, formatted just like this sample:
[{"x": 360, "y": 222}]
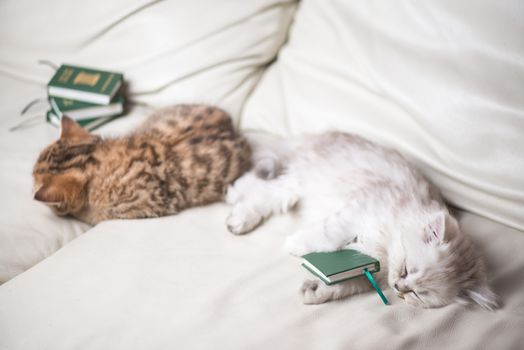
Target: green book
[
  {"x": 84, "y": 84},
  {"x": 88, "y": 123},
  {"x": 79, "y": 110},
  {"x": 339, "y": 266}
]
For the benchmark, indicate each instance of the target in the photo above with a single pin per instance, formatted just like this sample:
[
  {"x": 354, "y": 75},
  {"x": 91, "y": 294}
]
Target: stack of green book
[{"x": 92, "y": 97}]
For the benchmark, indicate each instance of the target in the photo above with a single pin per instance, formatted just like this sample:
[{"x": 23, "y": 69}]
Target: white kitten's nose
[{"x": 401, "y": 287}]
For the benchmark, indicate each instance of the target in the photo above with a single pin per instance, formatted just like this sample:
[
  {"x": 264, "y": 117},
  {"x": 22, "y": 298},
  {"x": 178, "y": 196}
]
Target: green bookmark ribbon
[{"x": 375, "y": 285}]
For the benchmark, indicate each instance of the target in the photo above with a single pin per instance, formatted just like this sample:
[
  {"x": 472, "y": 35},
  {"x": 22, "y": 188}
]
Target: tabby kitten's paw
[
  {"x": 315, "y": 292},
  {"x": 241, "y": 221}
]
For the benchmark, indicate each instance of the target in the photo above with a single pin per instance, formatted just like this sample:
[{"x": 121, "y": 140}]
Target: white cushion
[{"x": 441, "y": 81}]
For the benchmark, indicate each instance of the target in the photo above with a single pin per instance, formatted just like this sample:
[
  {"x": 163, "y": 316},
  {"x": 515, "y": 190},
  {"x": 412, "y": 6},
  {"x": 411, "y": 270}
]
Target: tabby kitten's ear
[
  {"x": 65, "y": 193},
  {"x": 69, "y": 129}
]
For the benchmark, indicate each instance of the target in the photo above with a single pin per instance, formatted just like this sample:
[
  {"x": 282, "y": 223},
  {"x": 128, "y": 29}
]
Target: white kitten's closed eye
[{"x": 413, "y": 271}]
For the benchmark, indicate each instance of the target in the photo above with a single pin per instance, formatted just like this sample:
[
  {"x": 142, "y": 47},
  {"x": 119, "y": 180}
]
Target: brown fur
[{"x": 180, "y": 157}]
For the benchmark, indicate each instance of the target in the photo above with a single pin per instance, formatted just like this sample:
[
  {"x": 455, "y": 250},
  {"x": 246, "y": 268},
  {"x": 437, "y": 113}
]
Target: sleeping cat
[
  {"x": 180, "y": 157},
  {"x": 355, "y": 194}
]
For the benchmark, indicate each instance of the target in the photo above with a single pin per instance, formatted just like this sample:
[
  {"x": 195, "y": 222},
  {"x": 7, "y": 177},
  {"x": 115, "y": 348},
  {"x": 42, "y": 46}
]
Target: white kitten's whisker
[{"x": 415, "y": 294}]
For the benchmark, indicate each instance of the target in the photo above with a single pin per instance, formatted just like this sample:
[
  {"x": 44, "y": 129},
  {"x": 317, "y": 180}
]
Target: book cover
[
  {"x": 339, "y": 266},
  {"x": 79, "y": 110},
  {"x": 84, "y": 84},
  {"x": 88, "y": 124}
]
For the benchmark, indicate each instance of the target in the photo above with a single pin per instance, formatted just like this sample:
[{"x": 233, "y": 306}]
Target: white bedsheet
[{"x": 184, "y": 282}]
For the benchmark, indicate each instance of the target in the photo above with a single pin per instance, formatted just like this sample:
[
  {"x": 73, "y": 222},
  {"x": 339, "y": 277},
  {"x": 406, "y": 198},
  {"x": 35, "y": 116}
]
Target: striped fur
[{"x": 182, "y": 156}]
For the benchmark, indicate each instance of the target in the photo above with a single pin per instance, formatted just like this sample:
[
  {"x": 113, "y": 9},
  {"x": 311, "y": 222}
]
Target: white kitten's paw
[
  {"x": 241, "y": 221},
  {"x": 289, "y": 202},
  {"x": 237, "y": 225},
  {"x": 295, "y": 245},
  {"x": 315, "y": 292}
]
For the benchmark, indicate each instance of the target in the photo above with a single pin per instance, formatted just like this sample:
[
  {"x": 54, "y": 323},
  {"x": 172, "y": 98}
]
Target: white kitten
[{"x": 356, "y": 194}]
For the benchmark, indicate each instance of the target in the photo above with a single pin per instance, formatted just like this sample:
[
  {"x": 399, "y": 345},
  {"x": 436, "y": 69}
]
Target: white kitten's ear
[
  {"x": 484, "y": 297},
  {"x": 436, "y": 228}
]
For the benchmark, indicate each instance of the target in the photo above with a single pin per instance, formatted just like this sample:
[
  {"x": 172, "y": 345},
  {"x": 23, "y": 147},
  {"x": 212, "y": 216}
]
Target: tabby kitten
[
  {"x": 180, "y": 157},
  {"x": 356, "y": 194}
]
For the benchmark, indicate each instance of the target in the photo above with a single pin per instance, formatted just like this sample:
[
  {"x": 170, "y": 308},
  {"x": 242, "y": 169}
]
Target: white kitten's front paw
[
  {"x": 237, "y": 225},
  {"x": 295, "y": 245},
  {"x": 289, "y": 203},
  {"x": 315, "y": 292},
  {"x": 240, "y": 221}
]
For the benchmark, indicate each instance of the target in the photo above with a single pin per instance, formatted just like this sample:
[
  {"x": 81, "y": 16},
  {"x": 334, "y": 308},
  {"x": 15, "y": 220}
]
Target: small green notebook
[
  {"x": 84, "y": 84},
  {"x": 342, "y": 265},
  {"x": 339, "y": 266}
]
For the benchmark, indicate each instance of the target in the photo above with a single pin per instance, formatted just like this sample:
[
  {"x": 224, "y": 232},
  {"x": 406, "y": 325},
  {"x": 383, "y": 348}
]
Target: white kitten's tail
[
  {"x": 271, "y": 158},
  {"x": 267, "y": 164}
]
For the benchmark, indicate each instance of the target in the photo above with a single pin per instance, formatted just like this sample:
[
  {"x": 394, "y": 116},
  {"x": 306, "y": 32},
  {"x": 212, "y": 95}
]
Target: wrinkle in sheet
[{"x": 105, "y": 28}]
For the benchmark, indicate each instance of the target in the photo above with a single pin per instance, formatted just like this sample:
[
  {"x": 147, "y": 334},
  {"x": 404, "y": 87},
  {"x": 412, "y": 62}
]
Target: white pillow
[
  {"x": 169, "y": 51},
  {"x": 442, "y": 81}
]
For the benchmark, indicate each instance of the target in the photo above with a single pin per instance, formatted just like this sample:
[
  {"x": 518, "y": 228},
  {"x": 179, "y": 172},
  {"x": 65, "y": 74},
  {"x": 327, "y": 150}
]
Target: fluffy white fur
[{"x": 353, "y": 193}]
